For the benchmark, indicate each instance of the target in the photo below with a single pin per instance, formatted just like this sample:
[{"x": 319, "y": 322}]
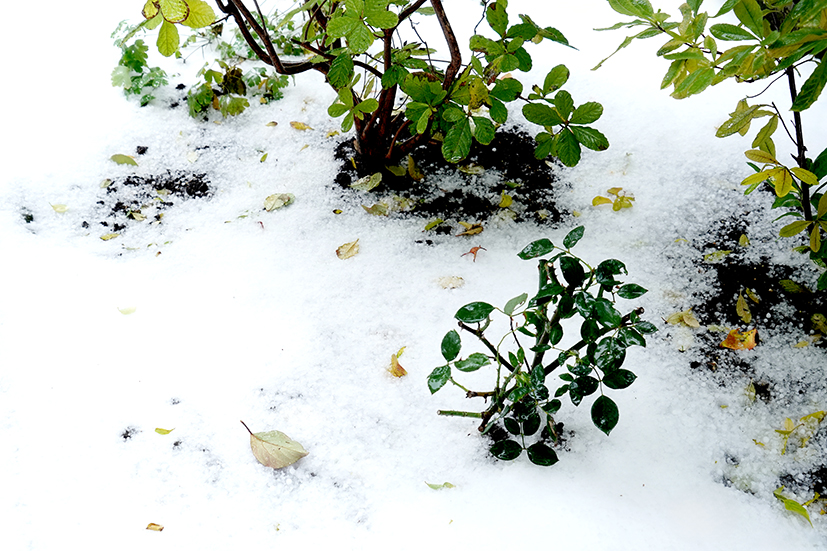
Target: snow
[{"x": 257, "y": 319}]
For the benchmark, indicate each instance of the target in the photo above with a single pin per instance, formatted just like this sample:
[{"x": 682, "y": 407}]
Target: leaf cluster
[
  {"x": 135, "y": 76},
  {"x": 533, "y": 349}
]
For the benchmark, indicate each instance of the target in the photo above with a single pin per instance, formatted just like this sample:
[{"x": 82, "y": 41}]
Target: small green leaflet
[
  {"x": 123, "y": 159},
  {"x": 440, "y": 486}
]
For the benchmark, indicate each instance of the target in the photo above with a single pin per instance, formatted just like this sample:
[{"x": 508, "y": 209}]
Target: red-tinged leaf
[{"x": 736, "y": 340}]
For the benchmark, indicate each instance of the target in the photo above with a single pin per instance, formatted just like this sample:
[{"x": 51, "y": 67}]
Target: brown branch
[
  {"x": 453, "y": 46},
  {"x": 801, "y": 158}
]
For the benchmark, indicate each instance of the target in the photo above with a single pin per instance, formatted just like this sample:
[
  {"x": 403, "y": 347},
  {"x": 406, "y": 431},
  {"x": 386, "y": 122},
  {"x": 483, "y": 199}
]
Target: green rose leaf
[
  {"x": 473, "y": 362},
  {"x": 439, "y": 377},
  {"x": 629, "y": 337},
  {"x": 573, "y": 237},
  {"x": 605, "y": 414},
  {"x": 619, "y": 379},
  {"x": 514, "y": 303},
  {"x": 542, "y": 455},
  {"x": 474, "y": 312},
  {"x": 507, "y": 450},
  {"x": 631, "y": 290},
  {"x": 451, "y": 345}
]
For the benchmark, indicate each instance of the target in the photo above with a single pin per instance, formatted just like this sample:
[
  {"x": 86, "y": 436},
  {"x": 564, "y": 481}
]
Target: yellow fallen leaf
[
  {"x": 440, "y": 486},
  {"x": 60, "y": 208},
  {"x": 505, "y": 200},
  {"x": 263, "y": 158},
  {"x": 300, "y": 125},
  {"x": 819, "y": 322},
  {"x": 105, "y": 183},
  {"x": 123, "y": 159},
  {"x": 471, "y": 168},
  {"x": 274, "y": 449},
  {"x": 278, "y": 200},
  {"x": 743, "y": 241},
  {"x": 471, "y": 229},
  {"x": 752, "y": 296},
  {"x": 192, "y": 156},
  {"x": 164, "y": 431},
  {"x": 367, "y": 183},
  {"x": 687, "y": 317},
  {"x": 377, "y": 209},
  {"x": 331, "y": 134},
  {"x": 348, "y": 250},
  {"x": 395, "y": 369},
  {"x": 154, "y": 527},
  {"x": 127, "y": 310},
  {"x": 801, "y": 344},
  {"x": 413, "y": 170},
  {"x": 716, "y": 256},
  {"x": 600, "y": 200},
  {"x": 109, "y": 236},
  {"x": 736, "y": 340},
  {"x": 272, "y": 123},
  {"x": 742, "y": 309},
  {"x": 614, "y": 190}
]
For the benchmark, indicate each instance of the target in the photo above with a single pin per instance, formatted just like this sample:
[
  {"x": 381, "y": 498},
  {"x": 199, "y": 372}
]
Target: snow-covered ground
[{"x": 256, "y": 318}]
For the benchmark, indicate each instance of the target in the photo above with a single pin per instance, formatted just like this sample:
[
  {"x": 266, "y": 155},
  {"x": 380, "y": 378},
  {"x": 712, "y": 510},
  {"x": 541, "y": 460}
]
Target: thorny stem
[
  {"x": 801, "y": 158},
  {"x": 479, "y": 334},
  {"x": 455, "y": 413}
]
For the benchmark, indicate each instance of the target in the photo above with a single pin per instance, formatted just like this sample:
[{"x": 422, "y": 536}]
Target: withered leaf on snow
[
  {"x": 126, "y": 310},
  {"x": 395, "y": 369},
  {"x": 278, "y": 200},
  {"x": 154, "y": 527},
  {"x": 442, "y": 486},
  {"x": 687, "y": 317},
  {"x": 60, "y": 209},
  {"x": 470, "y": 229},
  {"x": 367, "y": 183},
  {"x": 377, "y": 209},
  {"x": 275, "y": 449},
  {"x": 163, "y": 431},
  {"x": 742, "y": 309},
  {"x": 348, "y": 250},
  {"x": 451, "y": 282},
  {"x": 736, "y": 340},
  {"x": 300, "y": 125},
  {"x": 272, "y": 123},
  {"x": 123, "y": 159}
]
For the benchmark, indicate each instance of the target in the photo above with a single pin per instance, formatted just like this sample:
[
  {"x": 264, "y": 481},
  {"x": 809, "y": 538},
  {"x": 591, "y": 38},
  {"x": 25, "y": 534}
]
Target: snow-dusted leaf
[
  {"x": 505, "y": 200},
  {"x": 377, "y": 209},
  {"x": 348, "y": 250},
  {"x": 164, "y": 431},
  {"x": 752, "y": 296},
  {"x": 59, "y": 208},
  {"x": 451, "y": 282},
  {"x": 123, "y": 159},
  {"x": 715, "y": 257},
  {"x": 736, "y": 340},
  {"x": 791, "y": 505},
  {"x": 440, "y": 486},
  {"x": 300, "y": 125},
  {"x": 367, "y": 183},
  {"x": 687, "y": 317},
  {"x": 792, "y": 287},
  {"x": 472, "y": 169},
  {"x": 750, "y": 392},
  {"x": 275, "y": 449},
  {"x": 192, "y": 156},
  {"x": 154, "y": 527},
  {"x": 278, "y": 200},
  {"x": 126, "y": 310},
  {"x": 433, "y": 223},
  {"x": 743, "y": 241}
]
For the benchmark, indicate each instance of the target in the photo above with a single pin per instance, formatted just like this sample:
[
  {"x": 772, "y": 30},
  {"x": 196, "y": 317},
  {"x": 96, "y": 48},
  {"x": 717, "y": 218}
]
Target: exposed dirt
[{"x": 472, "y": 191}]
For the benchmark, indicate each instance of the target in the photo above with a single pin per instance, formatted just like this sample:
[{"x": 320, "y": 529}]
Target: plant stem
[
  {"x": 246, "y": 427},
  {"x": 801, "y": 158},
  {"x": 479, "y": 334},
  {"x": 453, "y": 413}
]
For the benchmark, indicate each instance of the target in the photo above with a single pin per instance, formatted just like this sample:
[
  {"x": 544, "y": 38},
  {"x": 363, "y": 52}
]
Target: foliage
[
  {"x": 358, "y": 46},
  {"x": 775, "y": 39},
  {"x": 133, "y": 74},
  {"x": 521, "y": 398}
]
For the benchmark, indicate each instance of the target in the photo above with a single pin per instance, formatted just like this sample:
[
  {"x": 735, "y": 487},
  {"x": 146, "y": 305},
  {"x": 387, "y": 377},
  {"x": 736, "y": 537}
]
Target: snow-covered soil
[{"x": 247, "y": 314}]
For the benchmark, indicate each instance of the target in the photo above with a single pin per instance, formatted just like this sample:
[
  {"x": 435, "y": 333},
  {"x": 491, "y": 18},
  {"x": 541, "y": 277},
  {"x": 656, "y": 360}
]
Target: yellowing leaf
[
  {"x": 433, "y": 223},
  {"x": 395, "y": 369},
  {"x": 442, "y": 486},
  {"x": 123, "y": 159},
  {"x": 201, "y": 14},
  {"x": 348, "y": 250},
  {"x": 278, "y": 200},
  {"x": 794, "y": 228},
  {"x": 819, "y": 322},
  {"x": 716, "y": 256},
  {"x": 263, "y": 158},
  {"x": 168, "y": 39},
  {"x": 272, "y": 123},
  {"x": 614, "y": 190},
  {"x": 174, "y": 11},
  {"x": 471, "y": 168},
  {"x": 164, "y": 431},
  {"x": 600, "y": 200},
  {"x": 750, "y": 392},
  {"x": 300, "y": 125},
  {"x": 752, "y": 296},
  {"x": 60, "y": 208},
  {"x": 505, "y": 200},
  {"x": 413, "y": 170},
  {"x": 736, "y": 340},
  {"x": 760, "y": 157},
  {"x": 742, "y": 309},
  {"x": 150, "y": 9},
  {"x": 154, "y": 527},
  {"x": 801, "y": 344},
  {"x": 109, "y": 236},
  {"x": 105, "y": 183},
  {"x": 792, "y": 506},
  {"x": 743, "y": 241},
  {"x": 331, "y": 134},
  {"x": 471, "y": 229},
  {"x": 274, "y": 449},
  {"x": 377, "y": 209},
  {"x": 126, "y": 310},
  {"x": 687, "y": 317},
  {"x": 805, "y": 176},
  {"x": 451, "y": 282},
  {"x": 792, "y": 287}
]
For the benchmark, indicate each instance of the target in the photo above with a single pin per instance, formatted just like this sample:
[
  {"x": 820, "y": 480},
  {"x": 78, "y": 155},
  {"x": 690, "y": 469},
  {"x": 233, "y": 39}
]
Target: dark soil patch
[
  {"x": 471, "y": 191},
  {"x": 143, "y": 199}
]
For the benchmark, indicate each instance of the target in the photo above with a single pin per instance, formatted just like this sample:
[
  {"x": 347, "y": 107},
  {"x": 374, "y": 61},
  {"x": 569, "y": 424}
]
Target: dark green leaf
[
  {"x": 619, "y": 379},
  {"x": 555, "y": 78},
  {"x": 497, "y": 110},
  {"x": 585, "y": 385},
  {"x": 589, "y": 331},
  {"x": 552, "y": 407},
  {"x": 629, "y": 337},
  {"x": 541, "y": 114},
  {"x": 606, "y": 314},
  {"x": 555, "y": 334},
  {"x": 573, "y": 271},
  {"x": 587, "y": 113},
  {"x": 531, "y": 424},
  {"x": 566, "y": 377},
  {"x": 473, "y": 362},
  {"x": 606, "y": 271},
  {"x": 605, "y": 414},
  {"x": 497, "y": 18},
  {"x": 518, "y": 393},
  {"x": 568, "y": 148},
  {"x": 536, "y": 248},
  {"x": 457, "y": 142},
  {"x": 511, "y": 425},
  {"x": 590, "y": 138},
  {"x": 584, "y": 303},
  {"x": 451, "y": 345},
  {"x": 474, "y": 312},
  {"x": 507, "y": 89},
  {"x": 573, "y": 237},
  {"x": 631, "y": 290},
  {"x": 483, "y": 130},
  {"x": 566, "y": 307},
  {"x": 822, "y": 282},
  {"x": 506, "y": 450},
  {"x": 395, "y": 75},
  {"x": 807, "y": 10},
  {"x": 646, "y": 328},
  {"x": 609, "y": 354},
  {"x": 812, "y": 88},
  {"x": 541, "y": 455},
  {"x": 564, "y": 103},
  {"x": 439, "y": 377}
]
